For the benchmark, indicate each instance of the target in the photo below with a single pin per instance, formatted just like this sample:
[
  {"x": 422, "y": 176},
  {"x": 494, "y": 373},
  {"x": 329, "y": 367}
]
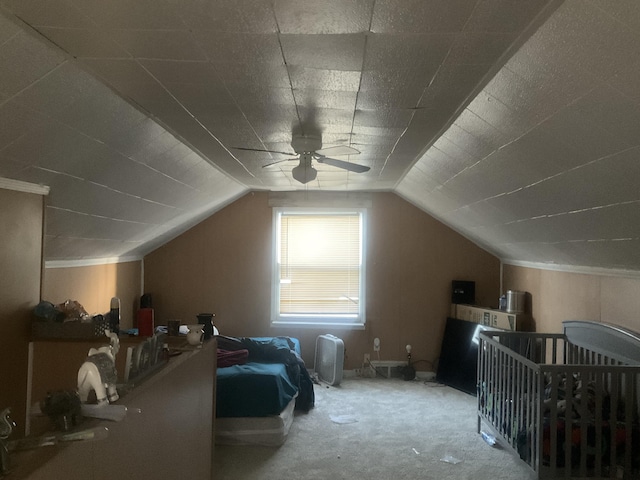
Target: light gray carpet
[{"x": 399, "y": 430}]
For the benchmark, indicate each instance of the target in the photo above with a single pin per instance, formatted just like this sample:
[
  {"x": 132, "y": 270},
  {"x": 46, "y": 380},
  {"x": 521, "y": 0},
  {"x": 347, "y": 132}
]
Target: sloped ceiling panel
[
  {"x": 543, "y": 165},
  {"x": 253, "y": 73},
  {"x": 119, "y": 182},
  {"x": 132, "y": 111}
]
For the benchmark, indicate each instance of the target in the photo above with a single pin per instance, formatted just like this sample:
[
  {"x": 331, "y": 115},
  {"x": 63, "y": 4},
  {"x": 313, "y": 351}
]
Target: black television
[{"x": 458, "y": 363}]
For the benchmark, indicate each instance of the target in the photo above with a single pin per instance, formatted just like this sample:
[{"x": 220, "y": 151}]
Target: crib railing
[
  {"x": 510, "y": 389},
  {"x": 599, "y": 410},
  {"x": 559, "y": 433}
]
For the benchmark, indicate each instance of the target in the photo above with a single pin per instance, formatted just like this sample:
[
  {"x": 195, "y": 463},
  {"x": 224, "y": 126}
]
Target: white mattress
[{"x": 270, "y": 431}]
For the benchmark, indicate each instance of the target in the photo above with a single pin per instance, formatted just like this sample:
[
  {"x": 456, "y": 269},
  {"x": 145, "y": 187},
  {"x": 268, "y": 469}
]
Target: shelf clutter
[{"x": 491, "y": 317}]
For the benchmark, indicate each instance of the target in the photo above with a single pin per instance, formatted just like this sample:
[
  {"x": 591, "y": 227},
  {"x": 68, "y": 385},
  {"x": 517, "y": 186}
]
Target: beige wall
[
  {"x": 20, "y": 273},
  {"x": 94, "y": 286},
  {"x": 223, "y": 266},
  {"x": 558, "y": 296}
]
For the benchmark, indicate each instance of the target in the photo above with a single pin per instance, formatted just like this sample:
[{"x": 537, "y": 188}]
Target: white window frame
[{"x": 356, "y": 321}]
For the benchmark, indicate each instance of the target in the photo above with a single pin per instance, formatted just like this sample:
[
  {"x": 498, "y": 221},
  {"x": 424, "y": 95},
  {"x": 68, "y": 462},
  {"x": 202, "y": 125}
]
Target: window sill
[{"x": 316, "y": 325}]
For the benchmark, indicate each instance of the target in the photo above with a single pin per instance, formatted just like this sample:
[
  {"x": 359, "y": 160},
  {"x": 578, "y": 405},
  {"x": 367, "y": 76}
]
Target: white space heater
[{"x": 329, "y": 361}]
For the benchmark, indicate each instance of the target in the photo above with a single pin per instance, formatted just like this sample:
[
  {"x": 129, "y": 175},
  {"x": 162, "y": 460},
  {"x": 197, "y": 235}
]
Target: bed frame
[
  {"x": 270, "y": 431},
  {"x": 251, "y": 394},
  {"x": 559, "y": 399}
]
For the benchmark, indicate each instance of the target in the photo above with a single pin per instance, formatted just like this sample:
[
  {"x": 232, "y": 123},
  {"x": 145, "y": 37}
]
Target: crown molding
[{"x": 26, "y": 187}]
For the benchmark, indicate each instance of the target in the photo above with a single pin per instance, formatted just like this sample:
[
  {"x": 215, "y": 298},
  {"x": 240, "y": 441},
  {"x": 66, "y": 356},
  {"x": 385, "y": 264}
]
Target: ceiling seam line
[
  {"x": 362, "y": 70},
  {"x": 38, "y": 167},
  {"x": 572, "y": 169},
  {"x": 286, "y": 65},
  {"x": 103, "y": 217},
  {"x": 484, "y": 81},
  {"x": 450, "y": 121},
  {"x": 199, "y": 123},
  {"x": 101, "y": 142}
]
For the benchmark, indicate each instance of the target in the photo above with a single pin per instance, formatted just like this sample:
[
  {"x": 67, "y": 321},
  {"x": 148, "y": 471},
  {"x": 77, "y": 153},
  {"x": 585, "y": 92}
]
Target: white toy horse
[{"x": 99, "y": 373}]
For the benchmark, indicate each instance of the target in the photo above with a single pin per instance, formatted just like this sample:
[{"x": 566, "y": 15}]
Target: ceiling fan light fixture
[{"x": 304, "y": 172}]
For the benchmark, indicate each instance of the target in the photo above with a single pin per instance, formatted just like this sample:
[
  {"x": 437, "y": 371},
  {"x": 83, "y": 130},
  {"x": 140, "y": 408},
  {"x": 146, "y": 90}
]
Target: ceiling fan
[{"x": 309, "y": 148}]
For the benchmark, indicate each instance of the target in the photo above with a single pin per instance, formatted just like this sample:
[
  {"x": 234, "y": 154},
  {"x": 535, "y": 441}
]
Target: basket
[{"x": 72, "y": 329}]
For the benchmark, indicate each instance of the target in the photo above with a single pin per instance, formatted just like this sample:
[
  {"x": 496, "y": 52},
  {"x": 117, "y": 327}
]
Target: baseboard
[
  {"x": 426, "y": 376},
  {"x": 420, "y": 375}
]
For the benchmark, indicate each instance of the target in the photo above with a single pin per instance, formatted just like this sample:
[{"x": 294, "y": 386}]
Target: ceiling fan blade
[
  {"x": 352, "y": 167},
  {"x": 259, "y": 150},
  {"x": 339, "y": 150},
  {"x": 279, "y": 161}
]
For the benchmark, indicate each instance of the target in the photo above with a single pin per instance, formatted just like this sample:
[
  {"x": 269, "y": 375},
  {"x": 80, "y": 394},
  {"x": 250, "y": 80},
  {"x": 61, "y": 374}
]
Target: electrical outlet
[
  {"x": 367, "y": 358},
  {"x": 376, "y": 344}
]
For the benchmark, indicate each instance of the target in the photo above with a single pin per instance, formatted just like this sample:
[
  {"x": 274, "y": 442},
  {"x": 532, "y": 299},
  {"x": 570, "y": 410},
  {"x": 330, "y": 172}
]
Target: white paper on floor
[
  {"x": 450, "y": 459},
  {"x": 343, "y": 419}
]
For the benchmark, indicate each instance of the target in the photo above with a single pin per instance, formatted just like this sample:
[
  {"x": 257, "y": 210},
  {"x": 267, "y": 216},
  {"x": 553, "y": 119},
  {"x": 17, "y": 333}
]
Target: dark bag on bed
[{"x": 306, "y": 396}]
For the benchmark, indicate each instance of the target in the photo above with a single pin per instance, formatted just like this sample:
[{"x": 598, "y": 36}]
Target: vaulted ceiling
[{"x": 516, "y": 123}]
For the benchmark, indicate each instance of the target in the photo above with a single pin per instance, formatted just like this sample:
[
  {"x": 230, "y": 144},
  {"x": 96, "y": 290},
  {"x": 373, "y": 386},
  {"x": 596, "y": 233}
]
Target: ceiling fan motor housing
[{"x": 302, "y": 144}]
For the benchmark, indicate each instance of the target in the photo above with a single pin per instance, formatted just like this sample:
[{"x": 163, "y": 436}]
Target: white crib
[{"x": 567, "y": 404}]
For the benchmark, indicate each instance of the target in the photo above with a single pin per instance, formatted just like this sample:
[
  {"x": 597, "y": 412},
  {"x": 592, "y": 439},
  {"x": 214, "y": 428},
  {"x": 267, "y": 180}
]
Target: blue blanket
[{"x": 272, "y": 377}]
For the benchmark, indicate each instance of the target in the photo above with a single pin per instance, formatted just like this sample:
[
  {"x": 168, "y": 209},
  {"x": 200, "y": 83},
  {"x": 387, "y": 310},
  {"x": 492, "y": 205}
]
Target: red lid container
[{"x": 145, "y": 322}]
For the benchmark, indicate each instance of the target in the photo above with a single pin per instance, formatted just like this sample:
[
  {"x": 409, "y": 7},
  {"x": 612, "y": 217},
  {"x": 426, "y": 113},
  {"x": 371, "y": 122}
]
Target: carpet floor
[{"x": 378, "y": 429}]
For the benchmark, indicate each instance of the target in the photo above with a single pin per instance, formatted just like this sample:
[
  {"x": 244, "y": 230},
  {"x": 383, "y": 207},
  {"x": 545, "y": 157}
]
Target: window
[{"x": 318, "y": 267}]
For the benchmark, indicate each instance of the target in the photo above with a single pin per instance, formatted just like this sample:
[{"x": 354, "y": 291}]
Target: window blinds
[{"x": 320, "y": 263}]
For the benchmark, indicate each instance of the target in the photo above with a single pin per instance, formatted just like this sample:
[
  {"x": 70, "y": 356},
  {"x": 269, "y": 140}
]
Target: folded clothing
[{"x": 226, "y": 358}]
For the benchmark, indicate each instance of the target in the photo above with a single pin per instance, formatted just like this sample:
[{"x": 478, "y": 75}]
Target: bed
[
  {"x": 567, "y": 404},
  {"x": 261, "y": 382}
]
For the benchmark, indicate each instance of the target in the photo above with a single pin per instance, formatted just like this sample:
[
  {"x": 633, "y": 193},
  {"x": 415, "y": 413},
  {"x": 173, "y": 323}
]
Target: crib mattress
[{"x": 268, "y": 431}]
